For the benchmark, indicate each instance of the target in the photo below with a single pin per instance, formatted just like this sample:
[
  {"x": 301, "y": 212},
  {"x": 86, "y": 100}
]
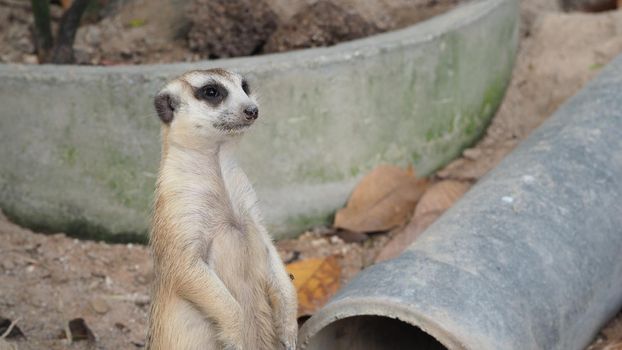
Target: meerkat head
[{"x": 210, "y": 104}]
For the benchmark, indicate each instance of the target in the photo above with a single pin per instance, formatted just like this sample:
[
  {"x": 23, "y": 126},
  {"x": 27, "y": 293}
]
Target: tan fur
[{"x": 219, "y": 283}]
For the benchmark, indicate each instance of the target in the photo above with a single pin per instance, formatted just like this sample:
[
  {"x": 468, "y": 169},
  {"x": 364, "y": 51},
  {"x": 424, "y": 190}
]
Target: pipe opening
[{"x": 369, "y": 332}]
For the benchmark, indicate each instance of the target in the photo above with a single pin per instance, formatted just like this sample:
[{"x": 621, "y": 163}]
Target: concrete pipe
[{"x": 530, "y": 258}]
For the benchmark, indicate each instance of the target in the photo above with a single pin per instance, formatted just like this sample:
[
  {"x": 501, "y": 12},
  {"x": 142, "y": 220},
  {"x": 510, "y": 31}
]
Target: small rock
[
  {"x": 507, "y": 199},
  {"x": 93, "y": 35},
  {"x": 123, "y": 328},
  {"x": 335, "y": 240},
  {"x": 141, "y": 300},
  {"x": 30, "y": 59},
  {"x": 143, "y": 278},
  {"x": 100, "y": 306},
  {"x": 138, "y": 343}
]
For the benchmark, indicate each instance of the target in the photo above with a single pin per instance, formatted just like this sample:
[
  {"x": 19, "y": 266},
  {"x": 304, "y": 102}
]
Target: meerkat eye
[
  {"x": 213, "y": 93},
  {"x": 210, "y": 92},
  {"x": 245, "y": 87}
]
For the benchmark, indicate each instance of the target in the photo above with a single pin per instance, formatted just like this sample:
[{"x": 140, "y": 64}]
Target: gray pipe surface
[{"x": 530, "y": 258}]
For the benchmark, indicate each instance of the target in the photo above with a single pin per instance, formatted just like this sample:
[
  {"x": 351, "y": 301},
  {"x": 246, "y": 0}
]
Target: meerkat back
[{"x": 219, "y": 282}]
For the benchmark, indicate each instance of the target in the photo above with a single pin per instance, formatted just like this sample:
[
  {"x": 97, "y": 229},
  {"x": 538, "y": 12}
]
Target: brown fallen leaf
[
  {"x": 383, "y": 200},
  {"x": 402, "y": 240},
  {"x": 434, "y": 202},
  {"x": 316, "y": 280},
  {"x": 441, "y": 196}
]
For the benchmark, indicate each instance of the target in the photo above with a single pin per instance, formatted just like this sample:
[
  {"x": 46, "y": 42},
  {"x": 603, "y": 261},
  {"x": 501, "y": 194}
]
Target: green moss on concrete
[
  {"x": 69, "y": 154},
  {"x": 300, "y": 223},
  {"x": 415, "y": 157}
]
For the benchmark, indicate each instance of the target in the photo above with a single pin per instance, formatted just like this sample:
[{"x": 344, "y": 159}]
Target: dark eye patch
[
  {"x": 213, "y": 93},
  {"x": 245, "y": 87}
]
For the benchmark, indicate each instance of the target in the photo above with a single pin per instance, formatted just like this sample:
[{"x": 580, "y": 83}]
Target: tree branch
[
  {"x": 43, "y": 30},
  {"x": 69, "y": 23}
]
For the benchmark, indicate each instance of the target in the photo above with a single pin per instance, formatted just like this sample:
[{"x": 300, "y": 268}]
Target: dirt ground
[{"x": 47, "y": 280}]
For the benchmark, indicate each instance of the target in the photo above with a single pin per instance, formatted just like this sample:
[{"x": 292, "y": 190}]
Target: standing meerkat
[{"x": 219, "y": 282}]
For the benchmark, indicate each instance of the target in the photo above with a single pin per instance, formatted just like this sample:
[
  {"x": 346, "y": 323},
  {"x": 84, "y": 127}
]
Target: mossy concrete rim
[{"x": 80, "y": 144}]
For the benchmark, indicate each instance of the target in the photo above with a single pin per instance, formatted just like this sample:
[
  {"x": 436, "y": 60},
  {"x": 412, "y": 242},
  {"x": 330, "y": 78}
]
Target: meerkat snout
[
  {"x": 252, "y": 112},
  {"x": 214, "y": 103}
]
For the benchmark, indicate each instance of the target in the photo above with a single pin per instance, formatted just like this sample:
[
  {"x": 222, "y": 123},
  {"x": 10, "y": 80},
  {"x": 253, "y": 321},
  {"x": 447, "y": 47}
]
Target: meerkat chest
[
  {"x": 239, "y": 258},
  {"x": 241, "y": 248}
]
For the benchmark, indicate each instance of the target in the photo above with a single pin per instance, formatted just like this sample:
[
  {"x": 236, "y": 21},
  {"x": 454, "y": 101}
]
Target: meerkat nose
[{"x": 251, "y": 112}]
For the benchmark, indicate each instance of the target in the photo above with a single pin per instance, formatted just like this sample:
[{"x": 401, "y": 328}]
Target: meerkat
[{"x": 219, "y": 281}]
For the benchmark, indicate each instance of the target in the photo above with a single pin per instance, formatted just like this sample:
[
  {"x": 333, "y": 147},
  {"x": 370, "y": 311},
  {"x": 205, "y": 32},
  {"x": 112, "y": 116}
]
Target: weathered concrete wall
[{"x": 79, "y": 146}]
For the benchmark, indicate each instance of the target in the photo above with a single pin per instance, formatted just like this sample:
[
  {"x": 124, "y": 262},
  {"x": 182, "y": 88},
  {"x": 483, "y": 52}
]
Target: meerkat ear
[{"x": 165, "y": 105}]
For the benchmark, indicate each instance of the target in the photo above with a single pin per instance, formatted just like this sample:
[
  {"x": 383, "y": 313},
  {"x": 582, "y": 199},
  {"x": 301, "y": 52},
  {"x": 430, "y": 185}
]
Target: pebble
[
  {"x": 528, "y": 179},
  {"x": 30, "y": 59},
  {"x": 100, "y": 306},
  {"x": 507, "y": 199}
]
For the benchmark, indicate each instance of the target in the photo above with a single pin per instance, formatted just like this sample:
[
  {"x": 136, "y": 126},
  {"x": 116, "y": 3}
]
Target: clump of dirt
[
  {"x": 321, "y": 24},
  {"x": 16, "y": 43},
  {"x": 225, "y": 28}
]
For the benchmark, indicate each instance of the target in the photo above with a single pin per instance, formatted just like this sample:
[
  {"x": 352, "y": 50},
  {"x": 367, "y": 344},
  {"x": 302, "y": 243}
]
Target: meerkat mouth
[{"x": 232, "y": 127}]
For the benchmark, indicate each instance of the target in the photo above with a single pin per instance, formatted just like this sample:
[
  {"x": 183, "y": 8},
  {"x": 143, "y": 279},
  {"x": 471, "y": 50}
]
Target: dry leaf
[
  {"x": 384, "y": 199},
  {"x": 441, "y": 196},
  {"x": 402, "y": 240},
  {"x": 316, "y": 280},
  {"x": 438, "y": 198}
]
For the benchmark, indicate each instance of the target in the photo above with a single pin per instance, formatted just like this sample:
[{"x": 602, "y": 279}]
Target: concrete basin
[{"x": 79, "y": 146}]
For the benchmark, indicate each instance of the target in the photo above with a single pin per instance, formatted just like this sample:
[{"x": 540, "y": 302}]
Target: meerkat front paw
[
  {"x": 231, "y": 333},
  {"x": 289, "y": 344},
  {"x": 288, "y": 334},
  {"x": 232, "y": 344},
  {"x": 232, "y": 347}
]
